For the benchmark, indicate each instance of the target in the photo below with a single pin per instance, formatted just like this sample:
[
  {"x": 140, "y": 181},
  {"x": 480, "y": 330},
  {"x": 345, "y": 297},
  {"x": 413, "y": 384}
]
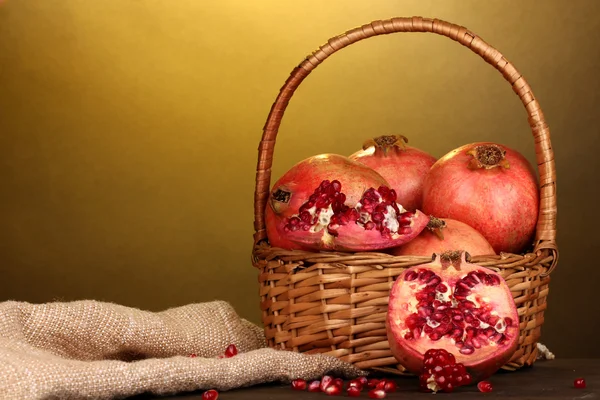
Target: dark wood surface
[{"x": 546, "y": 379}]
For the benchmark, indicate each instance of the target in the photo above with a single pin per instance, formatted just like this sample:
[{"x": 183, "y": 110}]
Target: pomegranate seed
[
  {"x": 333, "y": 390},
  {"x": 192, "y": 355},
  {"x": 231, "y": 351},
  {"x": 354, "y": 391},
  {"x": 579, "y": 383},
  {"x": 314, "y": 386},
  {"x": 339, "y": 382},
  {"x": 377, "y": 394},
  {"x": 326, "y": 382},
  {"x": 356, "y": 384},
  {"x": 387, "y": 385},
  {"x": 484, "y": 386},
  {"x": 363, "y": 380},
  {"x": 211, "y": 394},
  {"x": 299, "y": 384},
  {"x": 372, "y": 383}
]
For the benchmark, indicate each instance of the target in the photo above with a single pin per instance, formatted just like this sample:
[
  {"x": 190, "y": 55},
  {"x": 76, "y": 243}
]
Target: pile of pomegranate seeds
[
  {"x": 441, "y": 372},
  {"x": 377, "y": 388},
  {"x": 579, "y": 383}
]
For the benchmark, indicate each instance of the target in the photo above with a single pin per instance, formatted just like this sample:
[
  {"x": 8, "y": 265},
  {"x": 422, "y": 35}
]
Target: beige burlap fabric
[{"x": 98, "y": 350}]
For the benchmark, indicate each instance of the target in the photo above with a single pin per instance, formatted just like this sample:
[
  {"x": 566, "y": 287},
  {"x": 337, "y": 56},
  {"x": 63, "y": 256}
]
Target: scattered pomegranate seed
[
  {"x": 211, "y": 394},
  {"x": 372, "y": 383},
  {"x": 231, "y": 351},
  {"x": 192, "y": 355},
  {"x": 354, "y": 391},
  {"x": 333, "y": 390},
  {"x": 485, "y": 386},
  {"x": 363, "y": 380},
  {"x": 326, "y": 382},
  {"x": 377, "y": 394},
  {"x": 387, "y": 385},
  {"x": 314, "y": 386},
  {"x": 355, "y": 383},
  {"x": 339, "y": 382},
  {"x": 299, "y": 384},
  {"x": 579, "y": 383}
]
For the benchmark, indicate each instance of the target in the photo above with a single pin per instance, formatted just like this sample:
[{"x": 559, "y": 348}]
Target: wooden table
[{"x": 546, "y": 379}]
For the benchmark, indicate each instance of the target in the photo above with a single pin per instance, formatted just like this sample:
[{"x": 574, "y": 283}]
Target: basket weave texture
[{"x": 336, "y": 303}]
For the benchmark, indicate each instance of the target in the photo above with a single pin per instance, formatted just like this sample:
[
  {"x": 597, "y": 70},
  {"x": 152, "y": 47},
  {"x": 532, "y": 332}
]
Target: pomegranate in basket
[
  {"x": 329, "y": 202},
  {"x": 451, "y": 304},
  {"x": 489, "y": 187},
  {"x": 403, "y": 166},
  {"x": 445, "y": 234}
]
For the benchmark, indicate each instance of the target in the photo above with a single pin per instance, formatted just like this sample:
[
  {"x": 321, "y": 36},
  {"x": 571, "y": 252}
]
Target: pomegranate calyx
[
  {"x": 487, "y": 156},
  {"x": 278, "y": 199},
  {"x": 282, "y": 195},
  {"x": 436, "y": 226},
  {"x": 454, "y": 258},
  {"x": 384, "y": 143}
]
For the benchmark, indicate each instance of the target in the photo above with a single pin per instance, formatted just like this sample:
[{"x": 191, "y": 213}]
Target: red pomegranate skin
[
  {"x": 456, "y": 236},
  {"x": 404, "y": 168},
  {"x": 502, "y": 204}
]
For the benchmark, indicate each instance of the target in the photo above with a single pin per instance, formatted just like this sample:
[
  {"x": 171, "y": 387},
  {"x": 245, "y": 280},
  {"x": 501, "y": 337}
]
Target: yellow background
[{"x": 129, "y": 133}]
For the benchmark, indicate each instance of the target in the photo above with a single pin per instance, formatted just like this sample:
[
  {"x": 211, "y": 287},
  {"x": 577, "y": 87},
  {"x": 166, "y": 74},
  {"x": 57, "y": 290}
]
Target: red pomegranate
[
  {"x": 456, "y": 306},
  {"x": 489, "y": 187},
  {"x": 443, "y": 235},
  {"x": 403, "y": 166},
  {"x": 329, "y": 202}
]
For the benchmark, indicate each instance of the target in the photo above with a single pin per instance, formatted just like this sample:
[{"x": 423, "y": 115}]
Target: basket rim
[{"x": 545, "y": 233}]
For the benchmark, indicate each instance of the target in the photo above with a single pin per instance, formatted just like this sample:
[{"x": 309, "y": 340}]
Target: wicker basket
[{"x": 336, "y": 303}]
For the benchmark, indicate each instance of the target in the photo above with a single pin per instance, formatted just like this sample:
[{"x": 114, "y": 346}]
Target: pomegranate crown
[
  {"x": 487, "y": 156},
  {"x": 386, "y": 142},
  {"x": 453, "y": 258},
  {"x": 436, "y": 225}
]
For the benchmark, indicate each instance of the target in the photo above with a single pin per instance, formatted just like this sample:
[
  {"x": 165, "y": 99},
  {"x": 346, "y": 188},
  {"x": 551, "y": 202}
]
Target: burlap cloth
[{"x": 97, "y": 350}]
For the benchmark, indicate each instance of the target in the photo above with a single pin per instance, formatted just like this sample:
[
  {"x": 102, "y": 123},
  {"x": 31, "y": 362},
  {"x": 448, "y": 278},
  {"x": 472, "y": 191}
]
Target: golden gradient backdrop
[{"x": 129, "y": 129}]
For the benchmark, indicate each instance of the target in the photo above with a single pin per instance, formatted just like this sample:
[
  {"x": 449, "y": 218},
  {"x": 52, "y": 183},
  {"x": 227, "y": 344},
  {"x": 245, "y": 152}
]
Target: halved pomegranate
[
  {"x": 457, "y": 306},
  {"x": 329, "y": 202}
]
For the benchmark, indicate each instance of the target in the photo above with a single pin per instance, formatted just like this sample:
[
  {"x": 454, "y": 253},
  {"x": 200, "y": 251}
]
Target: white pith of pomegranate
[
  {"x": 489, "y": 187},
  {"x": 454, "y": 305},
  {"x": 331, "y": 216},
  {"x": 443, "y": 235},
  {"x": 403, "y": 166}
]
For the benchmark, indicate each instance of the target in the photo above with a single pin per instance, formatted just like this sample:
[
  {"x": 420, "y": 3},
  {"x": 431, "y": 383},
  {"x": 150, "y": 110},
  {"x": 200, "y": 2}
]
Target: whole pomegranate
[
  {"x": 489, "y": 187},
  {"x": 442, "y": 235},
  {"x": 403, "y": 166},
  {"x": 329, "y": 202},
  {"x": 456, "y": 306}
]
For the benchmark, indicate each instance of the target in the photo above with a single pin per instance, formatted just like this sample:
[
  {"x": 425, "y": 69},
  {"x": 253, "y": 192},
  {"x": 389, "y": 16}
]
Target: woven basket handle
[{"x": 545, "y": 238}]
